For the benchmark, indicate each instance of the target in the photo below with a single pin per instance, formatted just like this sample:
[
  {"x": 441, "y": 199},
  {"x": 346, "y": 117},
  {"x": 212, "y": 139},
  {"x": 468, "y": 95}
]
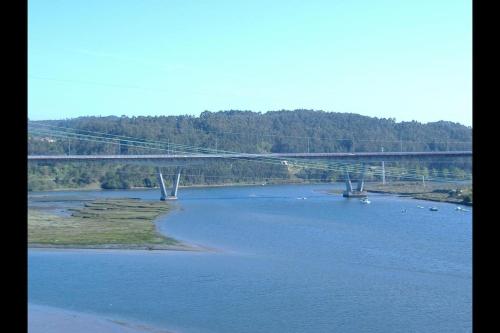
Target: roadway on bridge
[{"x": 362, "y": 156}]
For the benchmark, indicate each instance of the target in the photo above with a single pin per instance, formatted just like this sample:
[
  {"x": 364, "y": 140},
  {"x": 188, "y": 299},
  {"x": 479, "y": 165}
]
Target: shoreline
[
  {"x": 435, "y": 192},
  {"x": 105, "y": 224},
  {"x": 153, "y": 247},
  {"x": 263, "y": 183},
  {"x": 458, "y": 194},
  {"x": 85, "y": 227},
  {"x": 48, "y": 319},
  {"x": 412, "y": 196}
]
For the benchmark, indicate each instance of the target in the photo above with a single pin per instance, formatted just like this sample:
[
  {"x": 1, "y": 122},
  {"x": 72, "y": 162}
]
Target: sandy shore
[{"x": 45, "y": 319}]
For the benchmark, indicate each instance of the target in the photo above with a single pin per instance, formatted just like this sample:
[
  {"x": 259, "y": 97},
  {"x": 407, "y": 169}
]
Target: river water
[{"x": 291, "y": 258}]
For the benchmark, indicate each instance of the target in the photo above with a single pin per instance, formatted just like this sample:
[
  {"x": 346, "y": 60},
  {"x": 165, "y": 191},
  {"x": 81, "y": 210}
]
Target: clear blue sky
[{"x": 409, "y": 60}]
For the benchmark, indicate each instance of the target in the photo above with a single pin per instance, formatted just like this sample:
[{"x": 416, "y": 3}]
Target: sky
[{"x": 408, "y": 60}]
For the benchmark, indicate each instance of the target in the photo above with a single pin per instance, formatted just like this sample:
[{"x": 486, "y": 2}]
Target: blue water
[{"x": 286, "y": 264}]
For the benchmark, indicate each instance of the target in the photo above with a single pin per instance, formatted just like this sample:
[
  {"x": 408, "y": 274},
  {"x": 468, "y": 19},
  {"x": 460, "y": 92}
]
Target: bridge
[
  {"x": 283, "y": 158},
  {"x": 365, "y": 156}
]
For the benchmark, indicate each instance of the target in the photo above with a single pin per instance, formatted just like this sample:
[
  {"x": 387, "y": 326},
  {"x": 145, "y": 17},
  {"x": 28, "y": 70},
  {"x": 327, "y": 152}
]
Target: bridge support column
[
  {"x": 163, "y": 196},
  {"x": 175, "y": 184},
  {"x": 359, "y": 192},
  {"x": 383, "y": 170},
  {"x": 361, "y": 182},
  {"x": 348, "y": 184}
]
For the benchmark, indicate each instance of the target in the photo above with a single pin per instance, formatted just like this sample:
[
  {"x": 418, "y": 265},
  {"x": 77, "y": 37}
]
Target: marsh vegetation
[{"x": 103, "y": 223}]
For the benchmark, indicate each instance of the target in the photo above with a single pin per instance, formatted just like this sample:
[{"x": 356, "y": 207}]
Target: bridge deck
[{"x": 363, "y": 156}]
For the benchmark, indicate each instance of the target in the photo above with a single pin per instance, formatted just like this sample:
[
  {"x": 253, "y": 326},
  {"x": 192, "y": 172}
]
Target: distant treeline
[{"x": 239, "y": 131}]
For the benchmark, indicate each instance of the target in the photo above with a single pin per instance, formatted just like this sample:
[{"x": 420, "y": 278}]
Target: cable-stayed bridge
[
  {"x": 362, "y": 156},
  {"x": 181, "y": 155}
]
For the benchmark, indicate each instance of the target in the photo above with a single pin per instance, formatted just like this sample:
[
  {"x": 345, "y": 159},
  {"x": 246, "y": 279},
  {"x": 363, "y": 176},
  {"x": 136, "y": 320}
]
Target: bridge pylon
[
  {"x": 175, "y": 185},
  {"x": 361, "y": 182},
  {"x": 163, "y": 191},
  {"x": 359, "y": 192}
]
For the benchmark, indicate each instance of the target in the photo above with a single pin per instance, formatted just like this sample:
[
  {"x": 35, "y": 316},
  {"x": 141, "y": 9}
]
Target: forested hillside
[{"x": 237, "y": 131}]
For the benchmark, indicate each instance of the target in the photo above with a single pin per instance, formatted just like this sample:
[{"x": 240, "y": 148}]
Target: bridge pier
[
  {"x": 359, "y": 192},
  {"x": 163, "y": 191},
  {"x": 175, "y": 186},
  {"x": 383, "y": 170},
  {"x": 348, "y": 184},
  {"x": 361, "y": 182}
]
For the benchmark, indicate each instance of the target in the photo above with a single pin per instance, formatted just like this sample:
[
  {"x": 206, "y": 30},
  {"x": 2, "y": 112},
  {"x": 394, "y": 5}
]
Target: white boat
[
  {"x": 420, "y": 206},
  {"x": 433, "y": 209},
  {"x": 365, "y": 201}
]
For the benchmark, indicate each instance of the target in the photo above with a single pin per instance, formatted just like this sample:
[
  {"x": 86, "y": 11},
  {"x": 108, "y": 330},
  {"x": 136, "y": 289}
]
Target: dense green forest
[{"x": 237, "y": 131}]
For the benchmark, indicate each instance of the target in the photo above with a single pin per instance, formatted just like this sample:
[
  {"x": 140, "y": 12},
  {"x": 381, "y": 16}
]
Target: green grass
[{"x": 101, "y": 222}]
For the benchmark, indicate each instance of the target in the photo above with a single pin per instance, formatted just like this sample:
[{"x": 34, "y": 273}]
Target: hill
[{"x": 237, "y": 131}]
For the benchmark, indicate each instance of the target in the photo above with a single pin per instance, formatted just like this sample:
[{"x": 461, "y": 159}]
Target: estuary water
[{"x": 290, "y": 258}]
